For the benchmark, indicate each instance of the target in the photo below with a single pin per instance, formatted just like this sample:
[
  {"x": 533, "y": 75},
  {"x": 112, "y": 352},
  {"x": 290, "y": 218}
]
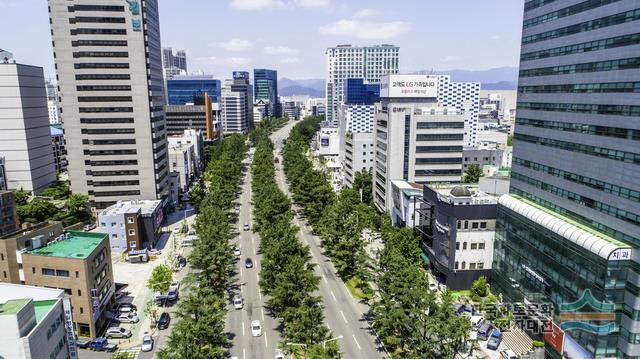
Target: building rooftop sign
[{"x": 409, "y": 86}]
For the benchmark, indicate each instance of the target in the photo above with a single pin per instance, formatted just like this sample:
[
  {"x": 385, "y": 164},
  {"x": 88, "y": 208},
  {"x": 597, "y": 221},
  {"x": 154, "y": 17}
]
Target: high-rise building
[
  {"x": 36, "y": 323},
  {"x": 167, "y": 57},
  {"x": 265, "y": 87},
  {"x": 184, "y": 89},
  {"x": 291, "y": 109},
  {"x": 237, "y": 104},
  {"x": 58, "y": 148},
  {"x": 464, "y": 96},
  {"x": 569, "y": 229},
  {"x": 109, "y": 69},
  {"x": 417, "y": 138},
  {"x": 25, "y": 142},
  {"x": 180, "y": 60},
  {"x": 173, "y": 64},
  {"x": 52, "y": 102},
  {"x": 369, "y": 63},
  {"x": 8, "y": 216}
]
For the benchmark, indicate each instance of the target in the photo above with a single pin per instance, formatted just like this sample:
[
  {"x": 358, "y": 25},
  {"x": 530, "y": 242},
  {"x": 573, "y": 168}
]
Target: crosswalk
[{"x": 133, "y": 352}]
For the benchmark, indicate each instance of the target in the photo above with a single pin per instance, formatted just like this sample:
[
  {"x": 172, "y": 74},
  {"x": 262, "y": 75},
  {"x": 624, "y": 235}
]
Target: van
[{"x": 484, "y": 331}]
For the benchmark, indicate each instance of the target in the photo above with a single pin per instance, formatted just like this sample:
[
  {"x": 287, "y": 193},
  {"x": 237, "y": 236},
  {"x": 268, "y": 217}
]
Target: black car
[
  {"x": 248, "y": 263},
  {"x": 163, "y": 322}
]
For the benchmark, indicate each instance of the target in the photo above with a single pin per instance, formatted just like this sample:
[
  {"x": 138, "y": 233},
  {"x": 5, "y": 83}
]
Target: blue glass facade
[
  {"x": 265, "y": 87},
  {"x": 356, "y": 92},
  {"x": 188, "y": 89}
]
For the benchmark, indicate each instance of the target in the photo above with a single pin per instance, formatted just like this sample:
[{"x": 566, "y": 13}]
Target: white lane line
[
  {"x": 243, "y": 329},
  {"x": 323, "y": 277},
  {"x": 356, "y": 340},
  {"x": 333, "y": 295},
  {"x": 266, "y": 343},
  {"x": 254, "y": 251},
  {"x": 262, "y": 312},
  {"x": 260, "y": 295},
  {"x": 257, "y": 277},
  {"x": 243, "y": 354},
  {"x": 343, "y": 317}
]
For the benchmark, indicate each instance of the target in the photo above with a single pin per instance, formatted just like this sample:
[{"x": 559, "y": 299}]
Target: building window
[
  {"x": 81, "y": 310},
  {"x": 480, "y": 265},
  {"x": 33, "y": 270},
  {"x": 102, "y": 224},
  {"x": 457, "y": 244},
  {"x": 79, "y": 293},
  {"x": 132, "y": 244},
  {"x": 66, "y": 291},
  {"x": 466, "y": 224},
  {"x": 474, "y": 246},
  {"x": 456, "y": 266},
  {"x": 48, "y": 271},
  {"x": 113, "y": 224},
  {"x": 483, "y": 225},
  {"x": 132, "y": 232},
  {"x": 472, "y": 266},
  {"x": 474, "y": 225},
  {"x": 129, "y": 219},
  {"x": 464, "y": 248},
  {"x": 458, "y": 224},
  {"x": 464, "y": 265},
  {"x": 62, "y": 273},
  {"x": 1, "y": 256},
  {"x": 480, "y": 245},
  {"x": 4, "y": 273}
]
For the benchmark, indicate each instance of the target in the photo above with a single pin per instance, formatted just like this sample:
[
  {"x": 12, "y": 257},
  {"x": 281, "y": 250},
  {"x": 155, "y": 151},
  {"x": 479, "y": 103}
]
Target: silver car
[
  {"x": 117, "y": 332},
  {"x": 147, "y": 343}
]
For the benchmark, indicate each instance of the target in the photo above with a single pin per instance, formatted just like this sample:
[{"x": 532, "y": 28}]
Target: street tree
[{"x": 160, "y": 279}]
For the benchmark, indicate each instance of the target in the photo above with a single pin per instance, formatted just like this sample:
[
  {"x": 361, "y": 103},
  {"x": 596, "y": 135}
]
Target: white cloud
[
  {"x": 236, "y": 45},
  {"x": 495, "y": 37},
  {"x": 449, "y": 58},
  {"x": 226, "y": 61},
  {"x": 256, "y": 4},
  {"x": 365, "y": 13},
  {"x": 366, "y": 30},
  {"x": 279, "y": 50},
  {"x": 237, "y": 60},
  {"x": 313, "y": 3},
  {"x": 289, "y": 60}
]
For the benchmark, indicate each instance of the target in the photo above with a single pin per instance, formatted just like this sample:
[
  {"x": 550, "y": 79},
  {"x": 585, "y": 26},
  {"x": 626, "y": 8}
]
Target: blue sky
[{"x": 291, "y": 35}]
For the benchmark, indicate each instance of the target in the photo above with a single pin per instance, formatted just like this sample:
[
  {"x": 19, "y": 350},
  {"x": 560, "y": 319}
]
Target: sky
[{"x": 291, "y": 36}]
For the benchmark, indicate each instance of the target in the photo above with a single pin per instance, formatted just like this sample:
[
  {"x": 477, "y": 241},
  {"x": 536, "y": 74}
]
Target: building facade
[
  {"x": 36, "y": 323},
  {"x": 189, "y": 89},
  {"x": 407, "y": 197},
  {"x": 8, "y": 216},
  {"x": 25, "y": 141},
  {"x": 265, "y": 88},
  {"x": 457, "y": 225},
  {"x": 464, "y": 96},
  {"x": 205, "y": 119},
  {"x": 131, "y": 225},
  {"x": 236, "y": 106},
  {"x": 358, "y": 155},
  {"x": 368, "y": 63},
  {"x": 59, "y": 149},
  {"x": 109, "y": 70},
  {"x": 291, "y": 109},
  {"x": 571, "y": 222}
]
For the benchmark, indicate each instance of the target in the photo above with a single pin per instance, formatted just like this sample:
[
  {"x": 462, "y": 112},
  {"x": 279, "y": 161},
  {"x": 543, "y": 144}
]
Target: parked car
[
  {"x": 508, "y": 354},
  {"x": 172, "y": 294},
  {"x": 246, "y": 227},
  {"x": 127, "y": 308},
  {"x": 147, "y": 343},
  {"x": 238, "y": 303},
  {"x": 280, "y": 355},
  {"x": 155, "y": 252},
  {"x": 484, "y": 331},
  {"x": 117, "y": 332},
  {"x": 494, "y": 340},
  {"x": 174, "y": 285},
  {"x": 248, "y": 263},
  {"x": 163, "y": 322},
  {"x": 182, "y": 261},
  {"x": 237, "y": 210},
  {"x": 89, "y": 227},
  {"x": 130, "y": 317},
  {"x": 102, "y": 345},
  {"x": 256, "y": 328},
  {"x": 83, "y": 343},
  {"x": 236, "y": 251}
]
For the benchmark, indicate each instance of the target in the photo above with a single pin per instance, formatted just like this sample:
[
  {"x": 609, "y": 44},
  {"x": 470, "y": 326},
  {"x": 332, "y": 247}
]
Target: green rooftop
[
  {"x": 13, "y": 306},
  {"x": 79, "y": 246},
  {"x": 42, "y": 307}
]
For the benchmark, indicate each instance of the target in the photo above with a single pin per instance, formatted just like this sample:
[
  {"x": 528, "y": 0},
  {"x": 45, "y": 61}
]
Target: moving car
[
  {"x": 494, "y": 340},
  {"x": 147, "y": 343},
  {"x": 130, "y": 317},
  {"x": 236, "y": 251},
  {"x": 248, "y": 263},
  {"x": 237, "y": 302},
  {"x": 117, "y": 332},
  {"x": 508, "y": 354},
  {"x": 163, "y": 322},
  {"x": 246, "y": 227},
  {"x": 237, "y": 210},
  {"x": 256, "y": 328}
]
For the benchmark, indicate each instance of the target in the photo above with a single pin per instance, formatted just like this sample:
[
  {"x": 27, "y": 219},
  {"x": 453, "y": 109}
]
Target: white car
[
  {"x": 280, "y": 355},
  {"x": 256, "y": 328},
  {"x": 147, "y": 343},
  {"x": 236, "y": 251},
  {"x": 176, "y": 230},
  {"x": 238, "y": 302},
  {"x": 237, "y": 210},
  {"x": 155, "y": 252},
  {"x": 127, "y": 318},
  {"x": 246, "y": 227},
  {"x": 174, "y": 285},
  {"x": 117, "y": 332}
]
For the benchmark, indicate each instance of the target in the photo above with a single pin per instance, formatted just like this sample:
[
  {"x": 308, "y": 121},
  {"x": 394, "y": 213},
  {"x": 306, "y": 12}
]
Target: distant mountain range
[{"x": 501, "y": 78}]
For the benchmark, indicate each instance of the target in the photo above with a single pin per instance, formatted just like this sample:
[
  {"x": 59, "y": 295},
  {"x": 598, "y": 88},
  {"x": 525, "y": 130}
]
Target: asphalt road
[
  {"x": 343, "y": 314},
  {"x": 244, "y": 345}
]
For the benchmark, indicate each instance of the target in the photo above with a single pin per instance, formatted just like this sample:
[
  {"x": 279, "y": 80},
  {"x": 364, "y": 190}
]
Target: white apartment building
[
  {"x": 347, "y": 61},
  {"x": 25, "y": 140},
  {"x": 109, "y": 70},
  {"x": 417, "y": 139},
  {"x": 328, "y": 141},
  {"x": 358, "y": 155},
  {"x": 36, "y": 323},
  {"x": 131, "y": 225},
  {"x": 464, "y": 96},
  {"x": 182, "y": 159},
  {"x": 52, "y": 109}
]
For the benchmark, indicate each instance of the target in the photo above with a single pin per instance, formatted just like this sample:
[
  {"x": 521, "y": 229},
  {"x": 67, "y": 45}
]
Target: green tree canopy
[
  {"x": 473, "y": 174},
  {"x": 160, "y": 279}
]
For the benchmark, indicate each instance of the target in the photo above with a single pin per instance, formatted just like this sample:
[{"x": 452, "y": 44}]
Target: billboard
[
  {"x": 324, "y": 141},
  {"x": 554, "y": 337},
  {"x": 423, "y": 86}
]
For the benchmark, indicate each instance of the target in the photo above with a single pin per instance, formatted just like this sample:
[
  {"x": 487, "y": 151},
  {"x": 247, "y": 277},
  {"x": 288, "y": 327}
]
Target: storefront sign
[{"x": 68, "y": 326}]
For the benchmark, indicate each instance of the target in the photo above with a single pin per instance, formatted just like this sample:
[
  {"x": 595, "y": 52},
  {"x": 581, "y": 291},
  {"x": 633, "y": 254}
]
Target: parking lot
[{"x": 133, "y": 277}]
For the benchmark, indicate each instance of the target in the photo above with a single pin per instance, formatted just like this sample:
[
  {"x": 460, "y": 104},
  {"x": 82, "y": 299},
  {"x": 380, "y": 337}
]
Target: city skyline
[{"x": 318, "y": 24}]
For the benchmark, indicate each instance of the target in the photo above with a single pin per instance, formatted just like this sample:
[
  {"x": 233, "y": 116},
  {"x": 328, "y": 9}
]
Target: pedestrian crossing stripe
[{"x": 133, "y": 352}]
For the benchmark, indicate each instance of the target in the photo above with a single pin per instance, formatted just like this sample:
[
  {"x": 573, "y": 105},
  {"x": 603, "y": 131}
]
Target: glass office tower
[
  {"x": 265, "y": 87},
  {"x": 571, "y": 220},
  {"x": 188, "y": 89},
  {"x": 356, "y": 92}
]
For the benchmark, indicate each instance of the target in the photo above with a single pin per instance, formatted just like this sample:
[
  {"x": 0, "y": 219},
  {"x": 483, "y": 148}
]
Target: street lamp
[{"x": 324, "y": 342}]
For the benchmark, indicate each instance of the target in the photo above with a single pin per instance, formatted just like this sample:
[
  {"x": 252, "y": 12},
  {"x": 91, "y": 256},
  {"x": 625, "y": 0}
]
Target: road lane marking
[
  {"x": 243, "y": 329},
  {"x": 260, "y": 295},
  {"x": 343, "y": 317},
  {"x": 254, "y": 251},
  {"x": 257, "y": 277},
  {"x": 325, "y": 279},
  {"x": 356, "y": 340},
  {"x": 262, "y": 311},
  {"x": 266, "y": 343},
  {"x": 333, "y": 295},
  {"x": 243, "y": 354}
]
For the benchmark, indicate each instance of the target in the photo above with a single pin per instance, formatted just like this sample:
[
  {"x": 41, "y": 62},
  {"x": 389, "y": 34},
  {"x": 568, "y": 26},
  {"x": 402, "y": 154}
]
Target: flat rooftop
[
  {"x": 145, "y": 206},
  {"x": 78, "y": 246},
  {"x": 42, "y": 307},
  {"x": 13, "y": 306}
]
